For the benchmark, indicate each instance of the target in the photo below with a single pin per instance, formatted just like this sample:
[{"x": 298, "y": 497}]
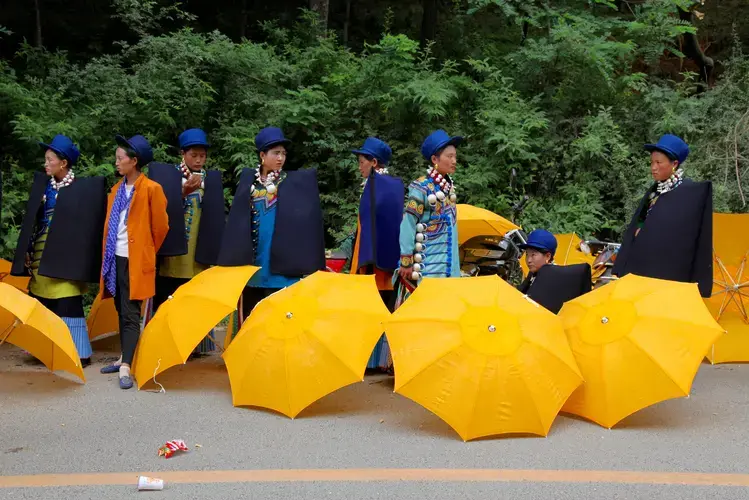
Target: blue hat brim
[
  {"x": 284, "y": 142},
  {"x": 452, "y": 141},
  {"x": 525, "y": 246},
  {"x": 56, "y": 150},
  {"x": 123, "y": 142},
  {"x": 666, "y": 151},
  {"x": 185, "y": 147}
]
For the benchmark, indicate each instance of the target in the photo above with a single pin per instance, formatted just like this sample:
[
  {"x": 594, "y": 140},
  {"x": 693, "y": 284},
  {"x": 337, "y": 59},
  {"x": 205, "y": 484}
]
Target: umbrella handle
[
  {"x": 216, "y": 343},
  {"x": 7, "y": 331}
]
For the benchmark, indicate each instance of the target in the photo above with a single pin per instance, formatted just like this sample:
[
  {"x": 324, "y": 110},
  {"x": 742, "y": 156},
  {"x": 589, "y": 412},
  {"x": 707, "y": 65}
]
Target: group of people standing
[{"x": 154, "y": 233}]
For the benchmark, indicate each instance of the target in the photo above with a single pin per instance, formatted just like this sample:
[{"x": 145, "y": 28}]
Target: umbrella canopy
[
  {"x": 637, "y": 341},
  {"x": 475, "y": 221},
  {"x": 20, "y": 282},
  {"x": 26, "y": 323},
  {"x": 184, "y": 320},
  {"x": 305, "y": 341},
  {"x": 730, "y": 297},
  {"x": 481, "y": 356},
  {"x": 102, "y": 318}
]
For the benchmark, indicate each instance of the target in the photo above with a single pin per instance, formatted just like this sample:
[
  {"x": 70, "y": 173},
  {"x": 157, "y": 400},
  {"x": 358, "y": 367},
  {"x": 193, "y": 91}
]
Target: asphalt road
[{"x": 51, "y": 424}]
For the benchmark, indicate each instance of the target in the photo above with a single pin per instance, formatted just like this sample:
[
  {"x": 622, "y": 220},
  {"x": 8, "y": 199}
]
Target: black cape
[
  {"x": 380, "y": 214},
  {"x": 677, "y": 239},
  {"x": 212, "y": 219},
  {"x": 555, "y": 285},
  {"x": 298, "y": 245},
  {"x": 73, "y": 250}
]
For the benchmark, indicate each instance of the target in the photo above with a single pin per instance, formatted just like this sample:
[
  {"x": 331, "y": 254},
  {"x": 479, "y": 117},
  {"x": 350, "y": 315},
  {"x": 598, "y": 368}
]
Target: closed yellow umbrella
[
  {"x": 475, "y": 221},
  {"x": 637, "y": 341},
  {"x": 26, "y": 323},
  {"x": 305, "y": 341},
  {"x": 184, "y": 320},
  {"x": 20, "y": 282},
  {"x": 482, "y": 357},
  {"x": 730, "y": 297}
]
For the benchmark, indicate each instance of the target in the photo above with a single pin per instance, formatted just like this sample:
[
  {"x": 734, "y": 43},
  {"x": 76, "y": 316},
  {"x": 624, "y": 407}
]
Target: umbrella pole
[
  {"x": 210, "y": 336},
  {"x": 7, "y": 331}
]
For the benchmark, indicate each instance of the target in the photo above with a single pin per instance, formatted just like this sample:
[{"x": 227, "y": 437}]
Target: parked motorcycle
[{"x": 605, "y": 253}]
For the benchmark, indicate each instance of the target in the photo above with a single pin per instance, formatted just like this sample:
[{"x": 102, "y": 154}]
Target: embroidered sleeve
[{"x": 413, "y": 213}]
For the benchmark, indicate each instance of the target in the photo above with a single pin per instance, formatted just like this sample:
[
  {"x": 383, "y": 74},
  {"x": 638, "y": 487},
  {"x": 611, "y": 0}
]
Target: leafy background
[{"x": 561, "y": 93}]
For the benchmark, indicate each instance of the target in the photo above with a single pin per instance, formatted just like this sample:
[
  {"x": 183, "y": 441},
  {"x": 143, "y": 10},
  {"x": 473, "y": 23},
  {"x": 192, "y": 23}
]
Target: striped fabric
[
  {"x": 380, "y": 358},
  {"x": 79, "y": 332}
]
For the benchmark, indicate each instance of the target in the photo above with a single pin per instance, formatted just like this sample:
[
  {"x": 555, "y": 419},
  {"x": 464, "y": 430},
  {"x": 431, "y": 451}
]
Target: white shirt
[{"x": 121, "y": 249}]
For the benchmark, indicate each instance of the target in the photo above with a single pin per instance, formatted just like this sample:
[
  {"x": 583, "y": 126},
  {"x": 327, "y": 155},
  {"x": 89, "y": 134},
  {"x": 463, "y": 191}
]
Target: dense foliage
[{"x": 555, "y": 102}]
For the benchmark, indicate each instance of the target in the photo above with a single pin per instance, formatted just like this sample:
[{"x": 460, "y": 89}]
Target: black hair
[
  {"x": 60, "y": 156},
  {"x": 133, "y": 155}
]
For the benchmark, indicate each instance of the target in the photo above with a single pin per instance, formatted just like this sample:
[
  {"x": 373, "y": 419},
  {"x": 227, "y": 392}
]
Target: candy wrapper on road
[{"x": 172, "y": 447}]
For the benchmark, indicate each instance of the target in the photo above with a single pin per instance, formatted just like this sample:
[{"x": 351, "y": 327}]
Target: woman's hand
[
  {"x": 192, "y": 184},
  {"x": 28, "y": 261},
  {"x": 405, "y": 273}
]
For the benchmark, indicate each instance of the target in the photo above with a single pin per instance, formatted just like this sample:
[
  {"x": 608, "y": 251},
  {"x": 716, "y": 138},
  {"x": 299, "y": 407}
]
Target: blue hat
[
  {"x": 376, "y": 148},
  {"x": 542, "y": 240},
  {"x": 193, "y": 137},
  {"x": 672, "y": 146},
  {"x": 436, "y": 141},
  {"x": 140, "y": 145},
  {"x": 269, "y": 137},
  {"x": 64, "y": 147}
]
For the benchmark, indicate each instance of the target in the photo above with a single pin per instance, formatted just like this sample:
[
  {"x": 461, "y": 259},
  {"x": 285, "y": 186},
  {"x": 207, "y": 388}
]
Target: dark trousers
[
  {"x": 128, "y": 310},
  {"x": 251, "y": 296}
]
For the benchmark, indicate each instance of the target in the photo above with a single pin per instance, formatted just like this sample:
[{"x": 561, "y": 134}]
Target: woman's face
[
  {"x": 54, "y": 166},
  {"x": 274, "y": 158},
  {"x": 536, "y": 259},
  {"x": 125, "y": 165},
  {"x": 661, "y": 166},
  {"x": 195, "y": 158},
  {"x": 366, "y": 165},
  {"x": 446, "y": 161}
]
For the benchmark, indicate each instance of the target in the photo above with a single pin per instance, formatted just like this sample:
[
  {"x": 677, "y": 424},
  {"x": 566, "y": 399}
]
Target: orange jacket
[{"x": 147, "y": 225}]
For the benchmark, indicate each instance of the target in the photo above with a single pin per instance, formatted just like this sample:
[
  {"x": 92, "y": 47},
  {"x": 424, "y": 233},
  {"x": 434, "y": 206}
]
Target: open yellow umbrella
[
  {"x": 730, "y": 298},
  {"x": 184, "y": 320},
  {"x": 482, "y": 357},
  {"x": 102, "y": 318},
  {"x": 305, "y": 341},
  {"x": 475, "y": 221},
  {"x": 20, "y": 282},
  {"x": 637, "y": 341},
  {"x": 26, "y": 323}
]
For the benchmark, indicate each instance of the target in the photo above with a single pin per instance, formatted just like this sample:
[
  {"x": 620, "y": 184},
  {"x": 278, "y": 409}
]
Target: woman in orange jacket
[{"x": 135, "y": 227}]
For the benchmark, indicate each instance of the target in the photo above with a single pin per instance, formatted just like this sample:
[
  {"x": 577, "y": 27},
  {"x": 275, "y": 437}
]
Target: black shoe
[{"x": 85, "y": 362}]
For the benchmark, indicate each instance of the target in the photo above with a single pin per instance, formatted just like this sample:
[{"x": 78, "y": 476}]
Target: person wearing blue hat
[
  {"x": 670, "y": 235},
  {"x": 374, "y": 248},
  {"x": 429, "y": 230},
  {"x": 63, "y": 256},
  {"x": 135, "y": 227},
  {"x": 275, "y": 222},
  {"x": 539, "y": 251},
  {"x": 195, "y": 203}
]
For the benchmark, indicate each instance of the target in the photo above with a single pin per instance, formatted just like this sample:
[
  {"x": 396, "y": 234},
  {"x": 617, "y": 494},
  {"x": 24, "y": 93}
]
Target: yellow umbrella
[
  {"x": 568, "y": 252},
  {"x": 637, "y": 341},
  {"x": 184, "y": 320},
  {"x": 482, "y": 357},
  {"x": 26, "y": 323},
  {"x": 730, "y": 298},
  {"x": 102, "y": 318},
  {"x": 20, "y": 282},
  {"x": 305, "y": 341},
  {"x": 475, "y": 221}
]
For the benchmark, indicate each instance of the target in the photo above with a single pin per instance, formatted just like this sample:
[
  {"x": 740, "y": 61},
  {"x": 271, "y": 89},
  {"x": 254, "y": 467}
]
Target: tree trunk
[
  {"x": 322, "y": 7},
  {"x": 428, "y": 21},
  {"x": 347, "y": 23},
  {"x": 243, "y": 20},
  {"x": 693, "y": 50},
  {"x": 38, "y": 24}
]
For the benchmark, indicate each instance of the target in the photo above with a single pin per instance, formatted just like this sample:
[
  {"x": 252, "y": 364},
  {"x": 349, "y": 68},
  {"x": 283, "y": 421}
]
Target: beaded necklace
[
  {"x": 271, "y": 178},
  {"x": 66, "y": 181},
  {"x": 443, "y": 184}
]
